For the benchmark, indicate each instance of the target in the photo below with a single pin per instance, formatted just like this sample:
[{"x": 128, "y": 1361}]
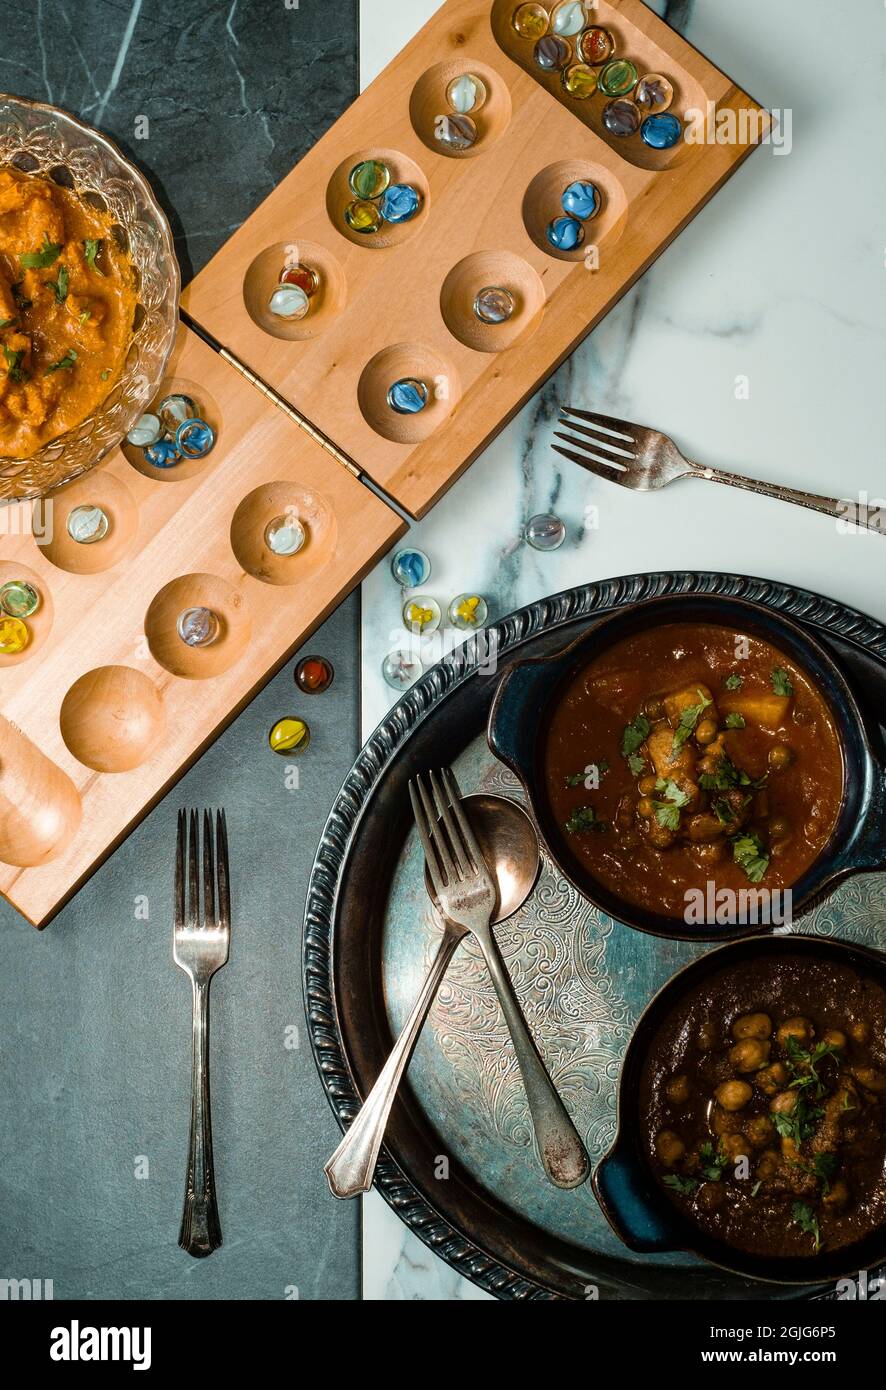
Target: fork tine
[
  {"x": 463, "y": 819},
  {"x": 588, "y": 452},
  {"x": 610, "y": 423},
  {"x": 208, "y": 873},
  {"x": 456, "y": 840},
  {"x": 602, "y": 470},
  {"x": 179, "y": 894},
  {"x": 224, "y": 873},
  {"x": 424, "y": 835},
  {"x": 594, "y": 436},
  {"x": 438, "y": 839},
  {"x": 193, "y": 912}
]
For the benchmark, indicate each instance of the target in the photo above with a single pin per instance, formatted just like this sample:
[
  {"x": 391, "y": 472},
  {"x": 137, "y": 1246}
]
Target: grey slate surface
[{"x": 94, "y": 1015}]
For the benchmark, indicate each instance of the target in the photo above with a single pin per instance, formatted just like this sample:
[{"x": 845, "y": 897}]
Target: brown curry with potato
[
  {"x": 67, "y": 301},
  {"x": 763, "y": 1101},
  {"x": 690, "y": 754}
]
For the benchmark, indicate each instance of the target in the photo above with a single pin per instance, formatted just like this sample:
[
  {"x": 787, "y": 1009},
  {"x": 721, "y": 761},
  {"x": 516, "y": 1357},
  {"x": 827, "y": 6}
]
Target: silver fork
[
  {"x": 466, "y": 894},
  {"x": 200, "y": 948},
  {"x": 645, "y": 459}
]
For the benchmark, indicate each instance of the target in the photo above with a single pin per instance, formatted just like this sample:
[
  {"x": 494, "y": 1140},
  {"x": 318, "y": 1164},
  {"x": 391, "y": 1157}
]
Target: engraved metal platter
[{"x": 459, "y": 1165}]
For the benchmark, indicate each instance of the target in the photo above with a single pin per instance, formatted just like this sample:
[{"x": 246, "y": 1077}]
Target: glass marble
[
  {"x": 314, "y": 674},
  {"x": 304, "y": 277},
  {"x": 569, "y": 18},
  {"x": 456, "y": 132},
  {"x": 661, "y": 132},
  {"x": 654, "y": 93},
  {"x": 618, "y": 78},
  {"x": 363, "y": 217},
  {"x": 595, "y": 46},
  {"x": 14, "y": 636},
  {"x": 411, "y": 568},
  {"x": 174, "y": 410},
  {"x": 531, "y": 21},
  {"x": 289, "y": 736},
  {"x": 19, "y": 599},
  {"x": 198, "y": 627},
  {"x": 163, "y": 454},
  {"x": 565, "y": 234},
  {"x": 87, "y": 525},
  {"x": 369, "y": 178},
  {"x": 289, "y": 302},
  {"x": 401, "y": 669},
  {"x": 545, "y": 532},
  {"x": 194, "y": 439},
  {"x": 494, "y": 305},
  {"x": 409, "y": 396},
  {"x": 552, "y": 53},
  {"x": 582, "y": 200},
  {"x": 580, "y": 81},
  {"x": 147, "y": 430},
  {"x": 622, "y": 116},
  {"x": 285, "y": 535},
  {"x": 468, "y": 611},
  {"x": 422, "y": 615},
  {"x": 466, "y": 93},
  {"x": 400, "y": 203}
]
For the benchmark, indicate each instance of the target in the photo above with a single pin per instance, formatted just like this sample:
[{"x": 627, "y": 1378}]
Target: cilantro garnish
[
  {"x": 667, "y": 812},
  {"x": 804, "y": 1217},
  {"x": 735, "y": 721},
  {"x": 7, "y": 323},
  {"x": 634, "y": 736},
  {"x": 91, "y": 248},
  {"x": 39, "y": 260},
  {"x": 728, "y": 776},
  {"x": 749, "y": 854},
  {"x": 714, "y": 1161},
  {"x": 64, "y": 364},
  {"x": 583, "y": 820},
  {"x": 688, "y": 720},
  {"x": 60, "y": 285},
  {"x": 781, "y": 681},
  {"x": 14, "y": 367},
  {"x": 804, "y": 1065},
  {"x": 800, "y": 1123},
  {"x": 734, "y": 682},
  {"x": 685, "y": 1186}
]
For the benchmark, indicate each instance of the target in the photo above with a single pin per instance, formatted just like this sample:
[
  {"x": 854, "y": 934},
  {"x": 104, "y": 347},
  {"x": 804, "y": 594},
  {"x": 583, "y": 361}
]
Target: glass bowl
[{"x": 45, "y": 140}]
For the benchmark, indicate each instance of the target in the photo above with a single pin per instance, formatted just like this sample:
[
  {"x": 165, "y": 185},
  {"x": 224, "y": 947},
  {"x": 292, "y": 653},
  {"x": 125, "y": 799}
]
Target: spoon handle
[
  {"x": 351, "y": 1168},
  {"x": 562, "y": 1152}
]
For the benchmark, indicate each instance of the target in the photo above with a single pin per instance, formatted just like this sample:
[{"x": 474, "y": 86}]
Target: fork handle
[
  {"x": 842, "y": 509},
  {"x": 200, "y": 1232},
  {"x": 562, "y": 1152},
  {"x": 351, "y": 1168}
]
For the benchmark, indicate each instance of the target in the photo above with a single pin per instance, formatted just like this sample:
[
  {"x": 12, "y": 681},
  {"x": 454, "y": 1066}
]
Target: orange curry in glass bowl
[
  {"x": 688, "y": 754},
  {"x": 67, "y": 304}
]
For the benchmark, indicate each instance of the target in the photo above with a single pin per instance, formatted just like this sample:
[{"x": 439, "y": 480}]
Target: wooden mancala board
[
  {"x": 399, "y": 303},
  {"x": 107, "y": 706}
]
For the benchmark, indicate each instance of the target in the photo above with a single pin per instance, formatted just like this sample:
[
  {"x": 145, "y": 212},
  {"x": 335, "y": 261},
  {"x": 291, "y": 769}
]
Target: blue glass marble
[
  {"x": 661, "y": 132},
  {"x": 194, "y": 438},
  {"x": 582, "y": 200},
  {"x": 163, "y": 454},
  {"x": 411, "y": 568},
  {"x": 409, "y": 396},
  {"x": 565, "y": 234},
  {"x": 400, "y": 203}
]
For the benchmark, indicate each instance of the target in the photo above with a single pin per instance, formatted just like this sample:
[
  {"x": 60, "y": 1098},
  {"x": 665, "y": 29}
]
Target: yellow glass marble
[
  {"x": 362, "y": 216},
  {"x": 289, "y": 736},
  {"x": 14, "y": 636},
  {"x": 531, "y": 21},
  {"x": 580, "y": 81}
]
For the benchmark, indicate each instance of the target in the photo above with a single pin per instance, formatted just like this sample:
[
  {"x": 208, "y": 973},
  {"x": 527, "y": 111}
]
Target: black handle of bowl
[
  {"x": 513, "y": 720},
  {"x": 634, "y": 1209}
]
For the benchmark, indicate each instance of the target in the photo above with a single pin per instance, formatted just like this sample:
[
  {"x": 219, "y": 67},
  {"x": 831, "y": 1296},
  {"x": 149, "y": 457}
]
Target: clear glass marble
[
  {"x": 198, "y": 627},
  {"x": 289, "y": 302},
  {"x": 456, "y": 132},
  {"x": 174, "y": 410},
  {"x": 494, "y": 304},
  {"x": 401, "y": 669},
  {"x": 285, "y": 535},
  {"x": 545, "y": 532},
  {"x": 87, "y": 525},
  {"x": 466, "y": 93}
]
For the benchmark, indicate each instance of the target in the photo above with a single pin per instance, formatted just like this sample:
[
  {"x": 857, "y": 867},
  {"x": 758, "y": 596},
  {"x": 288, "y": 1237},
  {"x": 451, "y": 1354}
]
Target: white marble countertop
[{"x": 780, "y": 281}]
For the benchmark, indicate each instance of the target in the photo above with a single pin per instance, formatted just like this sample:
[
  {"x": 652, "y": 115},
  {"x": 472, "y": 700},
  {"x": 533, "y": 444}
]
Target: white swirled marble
[{"x": 776, "y": 282}]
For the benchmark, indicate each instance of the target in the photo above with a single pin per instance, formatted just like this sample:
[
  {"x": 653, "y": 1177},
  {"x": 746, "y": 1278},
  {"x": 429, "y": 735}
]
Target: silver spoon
[{"x": 509, "y": 844}]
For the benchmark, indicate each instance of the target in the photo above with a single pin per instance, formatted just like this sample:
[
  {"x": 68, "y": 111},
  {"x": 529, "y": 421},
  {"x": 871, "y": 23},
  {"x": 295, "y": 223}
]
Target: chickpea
[
  {"x": 733, "y": 1095},
  {"x": 646, "y": 785},
  {"x": 654, "y": 709},
  {"x": 800, "y": 1029},
  {"x": 859, "y": 1031},
  {"x": 752, "y": 1026},
  {"x": 779, "y": 828},
  {"x": 781, "y": 756},
  {"x": 784, "y": 1103},
  {"x": 706, "y": 731},
  {"x": 834, "y": 1038},
  {"x": 749, "y": 1055},
  {"x": 772, "y": 1078},
  {"x": 669, "y": 1147},
  {"x": 769, "y": 1164},
  {"x": 722, "y": 1121},
  {"x": 646, "y": 807},
  {"x": 838, "y": 1194},
  {"x": 734, "y": 1146},
  {"x": 760, "y": 1131},
  {"x": 678, "y": 1089}
]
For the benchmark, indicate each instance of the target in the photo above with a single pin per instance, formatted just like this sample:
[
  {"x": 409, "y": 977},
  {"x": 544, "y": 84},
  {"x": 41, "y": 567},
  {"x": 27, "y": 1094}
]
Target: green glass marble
[
  {"x": 369, "y": 178},
  {"x": 19, "y": 599},
  {"x": 618, "y": 78}
]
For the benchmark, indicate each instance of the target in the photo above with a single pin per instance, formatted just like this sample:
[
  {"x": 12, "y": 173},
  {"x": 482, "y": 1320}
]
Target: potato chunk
[{"x": 765, "y": 710}]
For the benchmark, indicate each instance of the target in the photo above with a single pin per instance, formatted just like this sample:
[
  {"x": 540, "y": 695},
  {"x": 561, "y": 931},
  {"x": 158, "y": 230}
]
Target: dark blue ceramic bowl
[
  {"x": 632, "y": 1201},
  {"x": 530, "y": 691}
]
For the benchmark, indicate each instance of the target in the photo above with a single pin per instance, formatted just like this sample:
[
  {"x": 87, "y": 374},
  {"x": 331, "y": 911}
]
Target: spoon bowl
[{"x": 509, "y": 843}]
